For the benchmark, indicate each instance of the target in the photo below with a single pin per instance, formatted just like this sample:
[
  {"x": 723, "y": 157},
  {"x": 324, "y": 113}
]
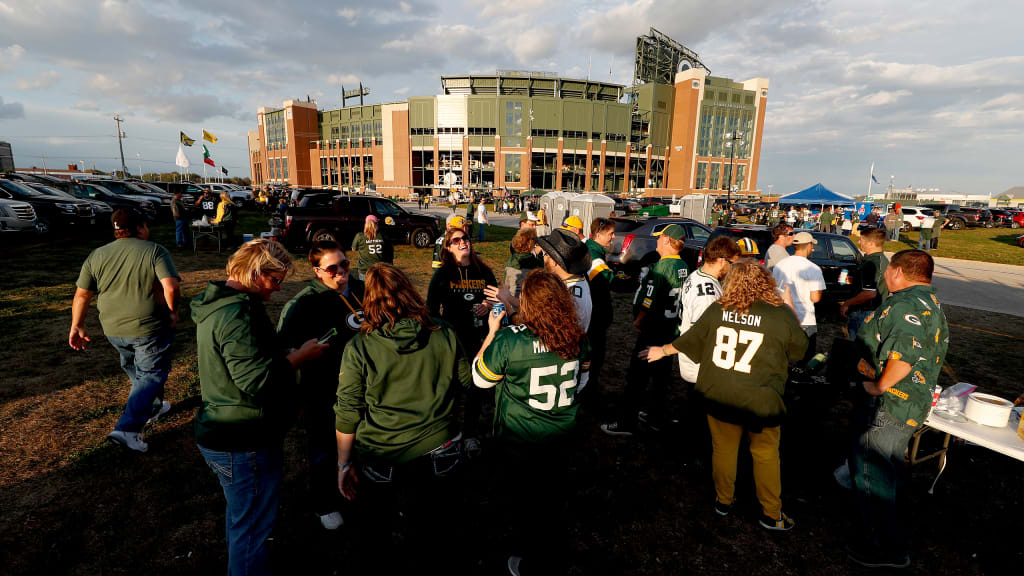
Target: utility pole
[
  {"x": 139, "y": 156},
  {"x": 44, "y": 164},
  {"x": 124, "y": 169}
]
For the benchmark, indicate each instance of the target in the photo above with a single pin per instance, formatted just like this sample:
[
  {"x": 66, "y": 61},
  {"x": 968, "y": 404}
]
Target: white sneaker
[
  {"x": 130, "y": 440},
  {"x": 164, "y": 409},
  {"x": 331, "y": 521},
  {"x": 513, "y": 565}
]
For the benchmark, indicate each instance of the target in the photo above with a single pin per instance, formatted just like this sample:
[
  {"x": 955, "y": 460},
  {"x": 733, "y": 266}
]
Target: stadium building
[{"x": 665, "y": 134}]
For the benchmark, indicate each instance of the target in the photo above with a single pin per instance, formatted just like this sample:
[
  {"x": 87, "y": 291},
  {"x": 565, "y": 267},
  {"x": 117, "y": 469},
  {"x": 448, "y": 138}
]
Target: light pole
[
  {"x": 732, "y": 141},
  {"x": 139, "y": 156}
]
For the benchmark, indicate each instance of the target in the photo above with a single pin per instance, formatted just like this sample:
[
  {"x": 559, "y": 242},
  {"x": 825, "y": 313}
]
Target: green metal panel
[
  {"x": 421, "y": 112},
  {"x": 547, "y": 113}
]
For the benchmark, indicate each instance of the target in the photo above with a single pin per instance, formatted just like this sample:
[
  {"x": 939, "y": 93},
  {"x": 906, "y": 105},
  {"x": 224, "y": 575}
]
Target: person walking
[
  {"x": 136, "y": 288},
  {"x": 249, "y": 400},
  {"x": 481, "y": 220},
  {"x": 805, "y": 283},
  {"x": 372, "y": 246},
  {"x": 330, "y": 309},
  {"x": 744, "y": 343},
  {"x": 397, "y": 428},
  {"x": 539, "y": 369},
  {"x": 902, "y": 348},
  {"x": 180, "y": 214}
]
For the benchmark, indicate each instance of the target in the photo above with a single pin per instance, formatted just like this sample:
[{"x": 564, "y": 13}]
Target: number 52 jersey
[
  {"x": 744, "y": 361},
  {"x": 537, "y": 390}
]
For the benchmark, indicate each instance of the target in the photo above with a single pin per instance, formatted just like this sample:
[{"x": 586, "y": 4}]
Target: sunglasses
[
  {"x": 335, "y": 269},
  {"x": 459, "y": 240},
  {"x": 277, "y": 281}
]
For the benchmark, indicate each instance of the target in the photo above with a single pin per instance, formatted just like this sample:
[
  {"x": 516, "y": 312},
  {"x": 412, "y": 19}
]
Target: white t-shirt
[
  {"x": 481, "y": 214},
  {"x": 580, "y": 290},
  {"x": 699, "y": 291},
  {"x": 802, "y": 276}
]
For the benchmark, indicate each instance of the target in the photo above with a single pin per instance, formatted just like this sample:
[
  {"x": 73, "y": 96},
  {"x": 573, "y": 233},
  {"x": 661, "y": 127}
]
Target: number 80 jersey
[{"x": 537, "y": 389}]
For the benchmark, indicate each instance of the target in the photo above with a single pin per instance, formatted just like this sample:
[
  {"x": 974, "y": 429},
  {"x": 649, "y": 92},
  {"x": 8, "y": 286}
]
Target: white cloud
[
  {"x": 102, "y": 83},
  {"x": 335, "y": 79},
  {"x": 86, "y": 106},
  {"x": 349, "y": 14},
  {"x": 884, "y": 97},
  {"x": 1002, "y": 71},
  {"x": 44, "y": 80},
  {"x": 10, "y": 56},
  {"x": 405, "y": 7},
  {"x": 402, "y": 91}
]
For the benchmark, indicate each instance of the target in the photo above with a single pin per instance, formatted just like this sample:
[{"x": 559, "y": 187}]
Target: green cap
[{"x": 673, "y": 231}]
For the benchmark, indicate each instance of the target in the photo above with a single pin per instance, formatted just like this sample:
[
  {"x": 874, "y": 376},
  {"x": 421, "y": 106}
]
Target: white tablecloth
[{"x": 1003, "y": 440}]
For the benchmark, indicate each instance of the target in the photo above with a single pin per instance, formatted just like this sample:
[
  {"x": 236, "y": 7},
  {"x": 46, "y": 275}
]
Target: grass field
[
  {"x": 997, "y": 245},
  {"x": 72, "y": 504}
]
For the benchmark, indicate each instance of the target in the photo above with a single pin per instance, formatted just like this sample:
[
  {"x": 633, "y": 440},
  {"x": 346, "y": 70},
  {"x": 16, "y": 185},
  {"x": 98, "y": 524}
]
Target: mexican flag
[{"x": 206, "y": 156}]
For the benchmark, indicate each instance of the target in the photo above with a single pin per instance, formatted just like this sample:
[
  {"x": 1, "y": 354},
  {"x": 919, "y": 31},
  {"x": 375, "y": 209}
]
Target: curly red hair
[
  {"x": 390, "y": 297},
  {"x": 547, "y": 309}
]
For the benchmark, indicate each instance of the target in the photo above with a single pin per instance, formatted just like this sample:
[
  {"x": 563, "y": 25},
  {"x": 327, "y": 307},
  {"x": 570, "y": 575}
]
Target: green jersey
[
  {"x": 872, "y": 274},
  {"x": 658, "y": 296},
  {"x": 910, "y": 326},
  {"x": 744, "y": 361},
  {"x": 538, "y": 390},
  {"x": 435, "y": 262},
  {"x": 125, "y": 275},
  {"x": 371, "y": 251}
]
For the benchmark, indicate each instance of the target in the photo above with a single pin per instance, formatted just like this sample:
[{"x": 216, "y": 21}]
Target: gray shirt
[{"x": 775, "y": 253}]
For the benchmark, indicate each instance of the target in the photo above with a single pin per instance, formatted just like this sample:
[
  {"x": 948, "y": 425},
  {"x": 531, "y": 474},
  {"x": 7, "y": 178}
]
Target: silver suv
[{"x": 16, "y": 218}]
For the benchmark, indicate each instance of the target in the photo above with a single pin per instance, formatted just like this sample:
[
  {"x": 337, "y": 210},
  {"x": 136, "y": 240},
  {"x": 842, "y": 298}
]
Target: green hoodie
[
  {"x": 244, "y": 375},
  {"x": 397, "y": 390}
]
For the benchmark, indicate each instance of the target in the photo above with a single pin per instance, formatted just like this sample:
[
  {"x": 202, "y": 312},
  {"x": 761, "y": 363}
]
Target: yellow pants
[{"x": 764, "y": 450}]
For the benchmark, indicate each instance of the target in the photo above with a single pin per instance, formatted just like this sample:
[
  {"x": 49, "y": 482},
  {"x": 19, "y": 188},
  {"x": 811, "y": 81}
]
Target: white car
[
  {"x": 237, "y": 193},
  {"x": 16, "y": 218},
  {"x": 914, "y": 218}
]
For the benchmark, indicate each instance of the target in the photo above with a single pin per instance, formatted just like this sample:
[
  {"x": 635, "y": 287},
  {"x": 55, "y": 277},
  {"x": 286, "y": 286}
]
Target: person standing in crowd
[
  {"x": 656, "y": 313},
  {"x": 540, "y": 368},
  {"x": 774, "y": 216},
  {"x": 805, "y": 283},
  {"x": 938, "y": 224},
  {"x": 892, "y": 225},
  {"x": 855, "y": 223},
  {"x": 372, "y": 246},
  {"x": 872, "y": 276},
  {"x": 744, "y": 343},
  {"x": 207, "y": 204},
  {"x": 568, "y": 258},
  {"x": 331, "y": 302},
  {"x": 542, "y": 221},
  {"x": 782, "y": 238},
  {"x": 180, "y": 214},
  {"x": 846, "y": 224},
  {"x": 481, "y": 220},
  {"x": 521, "y": 261},
  {"x": 902, "y": 346},
  {"x": 453, "y": 223},
  {"x": 227, "y": 217},
  {"x": 136, "y": 288},
  {"x": 600, "y": 278},
  {"x": 575, "y": 225},
  {"x": 247, "y": 383},
  {"x": 825, "y": 220},
  {"x": 456, "y": 295},
  {"x": 396, "y": 422},
  {"x": 528, "y": 220},
  {"x": 872, "y": 218}
]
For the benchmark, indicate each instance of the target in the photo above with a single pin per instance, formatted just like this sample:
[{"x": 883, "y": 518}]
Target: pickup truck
[{"x": 344, "y": 218}]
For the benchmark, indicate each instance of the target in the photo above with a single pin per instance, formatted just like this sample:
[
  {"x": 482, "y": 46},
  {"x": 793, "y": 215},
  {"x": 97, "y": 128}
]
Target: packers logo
[
  {"x": 918, "y": 378},
  {"x": 915, "y": 342},
  {"x": 912, "y": 319},
  {"x": 355, "y": 321},
  {"x": 389, "y": 221},
  {"x": 898, "y": 393},
  {"x": 468, "y": 296}
]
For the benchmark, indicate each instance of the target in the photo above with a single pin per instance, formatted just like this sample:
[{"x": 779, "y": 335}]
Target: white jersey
[
  {"x": 580, "y": 290},
  {"x": 699, "y": 291}
]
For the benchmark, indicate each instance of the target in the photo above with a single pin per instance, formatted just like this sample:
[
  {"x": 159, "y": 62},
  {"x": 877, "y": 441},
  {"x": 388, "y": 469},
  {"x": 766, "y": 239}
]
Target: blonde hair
[
  {"x": 256, "y": 257},
  {"x": 746, "y": 283},
  {"x": 370, "y": 229},
  {"x": 225, "y": 197}
]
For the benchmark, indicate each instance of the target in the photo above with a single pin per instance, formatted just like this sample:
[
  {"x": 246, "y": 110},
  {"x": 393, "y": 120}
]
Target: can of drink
[
  {"x": 935, "y": 394},
  {"x": 844, "y": 277},
  {"x": 497, "y": 309}
]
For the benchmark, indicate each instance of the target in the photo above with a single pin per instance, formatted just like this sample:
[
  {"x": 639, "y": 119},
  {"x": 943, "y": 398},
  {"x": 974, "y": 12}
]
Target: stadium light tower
[{"x": 733, "y": 140}]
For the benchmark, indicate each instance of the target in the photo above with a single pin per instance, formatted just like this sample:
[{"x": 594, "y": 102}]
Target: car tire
[
  {"x": 957, "y": 224},
  {"x": 321, "y": 235},
  {"x": 421, "y": 238}
]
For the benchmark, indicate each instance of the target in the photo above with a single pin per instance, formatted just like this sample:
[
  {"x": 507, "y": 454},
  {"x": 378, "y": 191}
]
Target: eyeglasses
[
  {"x": 459, "y": 240},
  {"x": 277, "y": 281},
  {"x": 335, "y": 269}
]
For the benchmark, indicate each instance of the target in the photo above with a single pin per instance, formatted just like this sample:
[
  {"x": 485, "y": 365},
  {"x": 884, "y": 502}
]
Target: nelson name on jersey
[{"x": 743, "y": 319}]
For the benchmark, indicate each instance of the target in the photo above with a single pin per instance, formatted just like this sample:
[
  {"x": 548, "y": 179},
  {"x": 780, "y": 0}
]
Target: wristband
[{"x": 344, "y": 467}]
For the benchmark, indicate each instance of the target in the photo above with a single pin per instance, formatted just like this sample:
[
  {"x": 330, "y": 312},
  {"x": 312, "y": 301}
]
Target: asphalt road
[{"x": 979, "y": 285}]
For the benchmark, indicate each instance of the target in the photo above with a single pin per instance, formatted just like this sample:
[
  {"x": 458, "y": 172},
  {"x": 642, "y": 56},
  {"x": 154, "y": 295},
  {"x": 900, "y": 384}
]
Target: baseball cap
[
  {"x": 747, "y": 246},
  {"x": 804, "y": 238},
  {"x": 573, "y": 222},
  {"x": 566, "y": 250},
  {"x": 528, "y": 216},
  {"x": 127, "y": 219},
  {"x": 371, "y": 218},
  {"x": 457, "y": 222},
  {"x": 673, "y": 231}
]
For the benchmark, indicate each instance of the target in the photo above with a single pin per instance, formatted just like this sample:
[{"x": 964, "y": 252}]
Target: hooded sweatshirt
[
  {"x": 397, "y": 390},
  {"x": 244, "y": 375}
]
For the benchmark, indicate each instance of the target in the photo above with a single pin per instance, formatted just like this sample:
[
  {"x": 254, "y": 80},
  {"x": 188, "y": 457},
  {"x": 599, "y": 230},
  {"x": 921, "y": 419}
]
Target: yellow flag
[{"x": 209, "y": 137}]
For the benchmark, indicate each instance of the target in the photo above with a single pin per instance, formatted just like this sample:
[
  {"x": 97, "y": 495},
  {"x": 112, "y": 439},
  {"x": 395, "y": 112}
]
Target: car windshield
[
  {"x": 20, "y": 189},
  {"x": 50, "y": 191}
]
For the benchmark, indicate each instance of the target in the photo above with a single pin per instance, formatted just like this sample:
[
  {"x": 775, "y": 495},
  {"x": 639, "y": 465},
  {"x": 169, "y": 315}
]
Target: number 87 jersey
[{"x": 537, "y": 390}]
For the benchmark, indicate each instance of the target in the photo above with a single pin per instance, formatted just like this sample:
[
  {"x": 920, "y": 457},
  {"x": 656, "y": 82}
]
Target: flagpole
[{"x": 870, "y": 176}]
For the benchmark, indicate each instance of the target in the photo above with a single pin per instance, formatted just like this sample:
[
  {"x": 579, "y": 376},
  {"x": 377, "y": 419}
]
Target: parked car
[
  {"x": 635, "y": 245},
  {"x": 745, "y": 208},
  {"x": 959, "y": 218},
  {"x": 100, "y": 209},
  {"x": 1020, "y": 240},
  {"x": 914, "y": 217},
  {"x": 53, "y": 214},
  {"x": 238, "y": 195},
  {"x": 17, "y": 219},
  {"x": 91, "y": 191},
  {"x": 345, "y": 217},
  {"x": 189, "y": 192},
  {"x": 123, "y": 188}
]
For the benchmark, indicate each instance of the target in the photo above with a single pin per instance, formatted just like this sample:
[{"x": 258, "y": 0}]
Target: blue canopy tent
[{"x": 817, "y": 194}]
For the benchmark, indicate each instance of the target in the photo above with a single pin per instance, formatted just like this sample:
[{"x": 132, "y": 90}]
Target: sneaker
[
  {"x": 472, "y": 448},
  {"x": 644, "y": 419},
  {"x": 616, "y": 429},
  {"x": 722, "y": 509},
  {"x": 130, "y": 440},
  {"x": 876, "y": 560},
  {"x": 331, "y": 521},
  {"x": 165, "y": 407},
  {"x": 782, "y": 524},
  {"x": 513, "y": 565}
]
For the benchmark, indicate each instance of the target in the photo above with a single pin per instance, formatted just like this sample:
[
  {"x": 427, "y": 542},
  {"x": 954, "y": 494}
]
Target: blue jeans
[
  {"x": 252, "y": 487},
  {"x": 924, "y": 241},
  {"x": 878, "y": 472},
  {"x": 146, "y": 361},
  {"x": 855, "y": 320},
  {"x": 179, "y": 233},
  {"x": 480, "y": 228}
]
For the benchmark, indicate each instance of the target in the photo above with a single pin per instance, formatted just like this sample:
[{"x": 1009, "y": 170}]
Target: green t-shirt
[
  {"x": 910, "y": 327},
  {"x": 872, "y": 274},
  {"x": 125, "y": 275},
  {"x": 538, "y": 390},
  {"x": 371, "y": 251},
  {"x": 744, "y": 361},
  {"x": 658, "y": 296},
  {"x": 827, "y": 218}
]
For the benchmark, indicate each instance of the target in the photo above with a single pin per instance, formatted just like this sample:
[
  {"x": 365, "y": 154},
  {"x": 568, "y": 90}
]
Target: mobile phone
[{"x": 330, "y": 334}]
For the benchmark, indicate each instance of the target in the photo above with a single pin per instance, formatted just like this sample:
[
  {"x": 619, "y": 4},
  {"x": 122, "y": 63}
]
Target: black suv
[
  {"x": 52, "y": 213},
  {"x": 635, "y": 245},
  {"x": 95, "y": 191},
  {"x": 833, "y": 253},
  {"x": 959, "y": 217},
  {"x": 345, "y": 217}
]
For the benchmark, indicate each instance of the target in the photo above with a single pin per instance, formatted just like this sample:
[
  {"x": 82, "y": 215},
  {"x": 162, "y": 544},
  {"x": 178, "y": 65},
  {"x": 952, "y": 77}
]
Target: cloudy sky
[{"x": 931, "y": 92}]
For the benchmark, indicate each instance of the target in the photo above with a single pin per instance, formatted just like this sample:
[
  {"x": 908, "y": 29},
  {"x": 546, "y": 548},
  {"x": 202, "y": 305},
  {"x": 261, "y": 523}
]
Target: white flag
[{"x": 182, "y": 160}]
